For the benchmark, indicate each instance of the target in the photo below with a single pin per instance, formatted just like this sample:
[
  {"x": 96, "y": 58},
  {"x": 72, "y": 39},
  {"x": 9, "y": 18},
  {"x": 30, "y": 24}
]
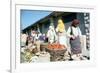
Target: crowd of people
[{"x": 70, "y": 38}]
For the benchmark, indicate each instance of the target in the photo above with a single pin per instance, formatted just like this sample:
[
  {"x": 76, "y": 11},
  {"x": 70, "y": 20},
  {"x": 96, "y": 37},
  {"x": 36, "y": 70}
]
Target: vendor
[
  {"x": 63, "y": 38},
  {"x": 37, "y": 43},
  {"x": 61, "y": 32}
]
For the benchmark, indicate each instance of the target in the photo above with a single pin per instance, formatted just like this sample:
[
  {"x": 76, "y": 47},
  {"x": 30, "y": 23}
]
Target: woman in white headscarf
[{"x": 51, "y": 34}]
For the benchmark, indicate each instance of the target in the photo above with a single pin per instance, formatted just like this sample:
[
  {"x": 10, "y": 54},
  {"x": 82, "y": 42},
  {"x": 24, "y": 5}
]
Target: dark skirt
[{"x": 75, "y": 46}]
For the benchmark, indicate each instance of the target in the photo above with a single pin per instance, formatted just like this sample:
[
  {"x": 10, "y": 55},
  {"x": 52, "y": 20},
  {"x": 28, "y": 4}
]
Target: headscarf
[
  {"x": 75, "y": 22},
  {"x": 61, "y": 26}
]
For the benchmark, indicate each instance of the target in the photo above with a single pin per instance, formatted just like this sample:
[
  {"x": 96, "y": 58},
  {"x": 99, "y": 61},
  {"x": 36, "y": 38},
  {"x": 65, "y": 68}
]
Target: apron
[{"x": 75, "y": 44}]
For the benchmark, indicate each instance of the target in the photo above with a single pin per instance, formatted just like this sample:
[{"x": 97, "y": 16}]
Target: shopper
[{"x": 74, "y": 33}]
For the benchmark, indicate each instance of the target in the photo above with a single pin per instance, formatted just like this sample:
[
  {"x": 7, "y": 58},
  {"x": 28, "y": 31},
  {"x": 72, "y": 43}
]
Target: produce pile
[
  {"x": 56, "y": 46},
  {"x": 28, "y": 56}
]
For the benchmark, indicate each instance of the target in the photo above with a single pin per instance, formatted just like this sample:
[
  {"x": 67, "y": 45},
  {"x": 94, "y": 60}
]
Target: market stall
[{"x": 56, "y": 51}]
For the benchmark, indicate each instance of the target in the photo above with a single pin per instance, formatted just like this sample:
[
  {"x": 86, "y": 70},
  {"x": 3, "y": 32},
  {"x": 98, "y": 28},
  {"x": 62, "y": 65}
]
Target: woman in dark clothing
[{"x": 74, "y": 33}]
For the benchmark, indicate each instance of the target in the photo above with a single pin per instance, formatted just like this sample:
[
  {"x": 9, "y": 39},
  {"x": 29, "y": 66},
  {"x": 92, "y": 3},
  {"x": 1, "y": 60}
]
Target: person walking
[{"x": 74, "y": 33}]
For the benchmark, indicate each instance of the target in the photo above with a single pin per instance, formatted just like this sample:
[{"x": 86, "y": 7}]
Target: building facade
[{"x": 43, "y": 24}]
